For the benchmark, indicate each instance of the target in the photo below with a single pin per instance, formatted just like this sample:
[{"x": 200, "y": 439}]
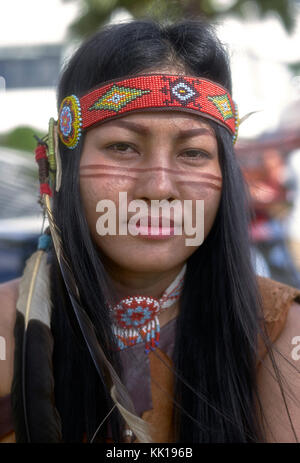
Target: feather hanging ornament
[
  {"x": 106, "y": 371},
  {"x": 118, "y": 391},
  {"x": 33, "y": 318},
  {"x": 34, "y": 288}
]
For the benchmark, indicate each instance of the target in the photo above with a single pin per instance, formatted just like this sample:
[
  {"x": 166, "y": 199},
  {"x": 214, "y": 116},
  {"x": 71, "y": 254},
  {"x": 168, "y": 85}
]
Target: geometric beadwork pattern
[
  {"x": 222, "y": 103},
  {"x": 184, "y": 92},
  {"x": 118, "y": 97},
  {"x": 135, "y": 318},
  {"x": 153, "y": 92},
  {"x": 136, "y": 312}
]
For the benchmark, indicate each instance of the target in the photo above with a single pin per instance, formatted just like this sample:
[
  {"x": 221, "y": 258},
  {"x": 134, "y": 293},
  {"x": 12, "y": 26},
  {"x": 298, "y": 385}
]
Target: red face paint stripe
[
  {"x": 150, "y": 169},
  {"x": 118, "y": 176},
  {"x": 127, "y": 177},
  {"x": 200, "y": 183}
]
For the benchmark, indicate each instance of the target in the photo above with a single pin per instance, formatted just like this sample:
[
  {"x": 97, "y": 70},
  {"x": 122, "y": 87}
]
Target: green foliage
[
  {"x": 21, "y": 138},
  {"x": 94, "y": 13},
  {"x": 285, "y": 9},
  {"x": 294, "y": 68}
]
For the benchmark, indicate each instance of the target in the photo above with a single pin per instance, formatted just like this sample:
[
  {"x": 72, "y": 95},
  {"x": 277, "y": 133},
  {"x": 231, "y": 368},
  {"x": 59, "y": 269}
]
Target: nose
[{"x": 157, "y": 183}]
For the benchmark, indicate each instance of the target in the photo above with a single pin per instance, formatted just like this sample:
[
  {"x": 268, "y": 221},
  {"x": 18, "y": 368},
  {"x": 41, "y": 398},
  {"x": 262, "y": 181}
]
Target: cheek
[
  {"x": 211, "y": 196},
  {"x": 211, "y": 206},
  {"x": 91, "y": 193},
  {"x": 93, "y": 190}
]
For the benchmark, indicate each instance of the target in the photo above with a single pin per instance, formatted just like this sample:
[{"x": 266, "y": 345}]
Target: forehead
[{"x": 160, "y": 120}]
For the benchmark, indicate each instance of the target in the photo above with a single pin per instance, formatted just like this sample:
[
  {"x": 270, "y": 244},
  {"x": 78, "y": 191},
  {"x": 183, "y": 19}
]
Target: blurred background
[{"x": 263, "y": 40}]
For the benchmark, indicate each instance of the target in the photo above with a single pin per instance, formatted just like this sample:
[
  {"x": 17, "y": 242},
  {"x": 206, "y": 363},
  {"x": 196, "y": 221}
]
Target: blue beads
[{"x": 44, "y": 242}]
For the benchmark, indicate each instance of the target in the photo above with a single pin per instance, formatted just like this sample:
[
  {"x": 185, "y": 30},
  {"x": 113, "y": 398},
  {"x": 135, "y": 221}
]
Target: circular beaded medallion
[
  {"x": 135, "y": 312},
  {"x": 69, "y": 121}
]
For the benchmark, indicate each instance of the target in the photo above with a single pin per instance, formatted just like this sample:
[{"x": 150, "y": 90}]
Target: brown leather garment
[{"x": 277, "y": 298}]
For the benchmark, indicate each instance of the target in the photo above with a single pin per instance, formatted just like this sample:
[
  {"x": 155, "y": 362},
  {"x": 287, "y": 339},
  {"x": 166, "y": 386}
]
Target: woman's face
[{"x": 165, "y": 155}]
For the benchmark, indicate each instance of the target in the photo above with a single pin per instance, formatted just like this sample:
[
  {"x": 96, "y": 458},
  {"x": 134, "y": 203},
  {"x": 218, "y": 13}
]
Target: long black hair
[{"x": 218, "y": 324}]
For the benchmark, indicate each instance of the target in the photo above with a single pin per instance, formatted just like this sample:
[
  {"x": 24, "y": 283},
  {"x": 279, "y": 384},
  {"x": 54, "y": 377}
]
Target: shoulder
[
  {"x": 279, "y": 303},
  {"x": 288, "y": 342},
  {"x": 8, "y": 297},
  {"x": 8, "y": 300},
  {"x": 276, "y": 298},
  {"x": 282, "y": 316},
  {"x": 280, "y": 398}
]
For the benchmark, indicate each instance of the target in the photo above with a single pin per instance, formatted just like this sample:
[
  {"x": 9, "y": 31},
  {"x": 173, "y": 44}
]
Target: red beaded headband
[{"x": 154, "y": 92}]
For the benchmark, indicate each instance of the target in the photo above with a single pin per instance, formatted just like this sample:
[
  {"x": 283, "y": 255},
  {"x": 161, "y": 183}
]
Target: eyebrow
[{"x": 142, "y": 130}]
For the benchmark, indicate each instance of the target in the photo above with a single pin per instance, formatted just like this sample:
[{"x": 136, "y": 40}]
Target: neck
[{"x": 127, "y": 283}]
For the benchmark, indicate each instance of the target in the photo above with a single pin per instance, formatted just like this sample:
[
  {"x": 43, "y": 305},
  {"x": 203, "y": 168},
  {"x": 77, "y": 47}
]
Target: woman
[{"x": 212, "y": 374}]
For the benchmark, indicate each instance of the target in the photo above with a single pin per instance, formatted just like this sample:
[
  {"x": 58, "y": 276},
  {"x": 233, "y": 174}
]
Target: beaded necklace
[{"x": 135, "y": 318}]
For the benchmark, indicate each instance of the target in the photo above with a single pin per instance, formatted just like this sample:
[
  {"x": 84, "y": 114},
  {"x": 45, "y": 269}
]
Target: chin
[
  {"x": 146, "y": 262},
  {"x": 144, "y": 256},
  {"x": 151, "y": 265}
]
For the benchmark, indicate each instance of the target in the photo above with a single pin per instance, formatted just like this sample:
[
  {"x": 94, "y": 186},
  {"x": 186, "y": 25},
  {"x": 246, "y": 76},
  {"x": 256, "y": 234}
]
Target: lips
[
  {"x": 152, "y": 221},
  {"x": 154, "y": 228}
]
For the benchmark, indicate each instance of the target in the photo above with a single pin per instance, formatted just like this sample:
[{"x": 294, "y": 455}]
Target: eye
[
  {"x": 121, "y": 147},
  {"x": 196, "y": 154}
]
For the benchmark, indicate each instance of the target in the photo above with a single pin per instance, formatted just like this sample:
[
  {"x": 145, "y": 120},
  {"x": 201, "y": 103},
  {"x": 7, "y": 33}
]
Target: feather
[
  {"x": 136, "y": 424},
  {"x": 17, "y": 383},
  {"x": 118, "y": 391},
  {"x": 34, "y": 296},
  {"x": 244, "y": 118},
  {"x": 33, "y": 309}
]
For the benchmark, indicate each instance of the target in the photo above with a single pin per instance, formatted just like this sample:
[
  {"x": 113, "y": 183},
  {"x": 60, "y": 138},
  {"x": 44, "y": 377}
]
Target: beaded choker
[
  {"x": 135, "y": 318},
  {"x": 152, "y": 92}
]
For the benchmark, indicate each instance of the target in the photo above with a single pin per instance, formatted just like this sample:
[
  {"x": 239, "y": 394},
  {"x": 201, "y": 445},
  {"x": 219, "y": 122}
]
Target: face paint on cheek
[
  {"x": 105, "y": 182},
  {"x": 204, "y": 193},
  {"x": 104, "y": 179},
  {"x": 108, "y": 176},
  {"x": 100, "y": 183},
  {"x": 203, "y": 183}
]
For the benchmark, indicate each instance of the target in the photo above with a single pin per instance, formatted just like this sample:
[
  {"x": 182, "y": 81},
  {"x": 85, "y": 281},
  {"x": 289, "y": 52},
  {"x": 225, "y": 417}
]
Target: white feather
[
  {"x": 34, "y": 293},
  {"x": 139, "y": 427}
]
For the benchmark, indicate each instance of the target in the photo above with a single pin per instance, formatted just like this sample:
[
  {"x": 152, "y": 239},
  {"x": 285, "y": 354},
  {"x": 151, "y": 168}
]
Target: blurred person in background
[
  {"x": 292, "y": 225},
  {"x": 269, "y": 185}
]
